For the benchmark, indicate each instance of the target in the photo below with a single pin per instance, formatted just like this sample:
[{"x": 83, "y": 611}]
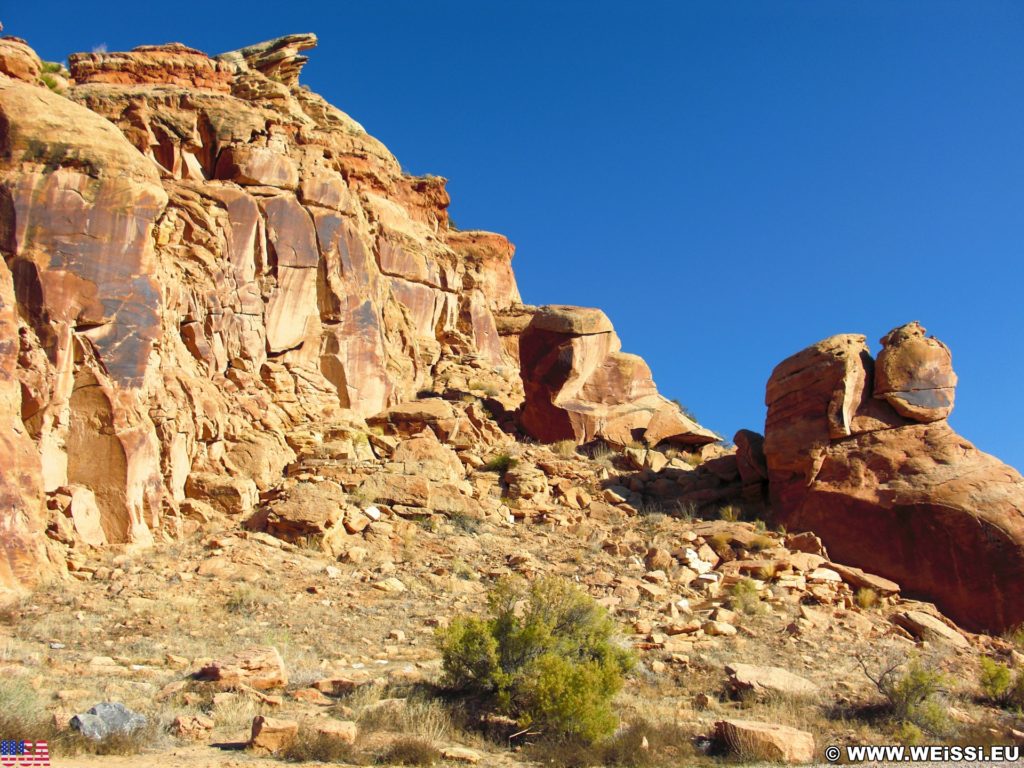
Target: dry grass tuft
[{"x": 410, "y": 750}]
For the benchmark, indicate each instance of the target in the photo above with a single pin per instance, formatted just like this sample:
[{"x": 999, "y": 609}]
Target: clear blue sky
[{"x": 730, "y": 181}]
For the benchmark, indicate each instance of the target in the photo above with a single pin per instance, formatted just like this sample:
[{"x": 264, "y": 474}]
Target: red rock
[
  {"x": 171, "y": 64},
  {"x": 913, "y": 502},
  {"x": 278, "y": 59},
  {"x": 271, "y": 734},
  {"x": 19, "y": 61},
  {"x": 756, "y": 742},
  {"x": 259, "y": 668},
  {"x": 579, "y": 385}
]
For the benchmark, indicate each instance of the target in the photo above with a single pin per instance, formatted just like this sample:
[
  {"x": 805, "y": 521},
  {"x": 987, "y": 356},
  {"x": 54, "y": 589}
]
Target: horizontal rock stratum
[
  {"x": 202, "y": 258},
  {"x": 859, "y": 451}
]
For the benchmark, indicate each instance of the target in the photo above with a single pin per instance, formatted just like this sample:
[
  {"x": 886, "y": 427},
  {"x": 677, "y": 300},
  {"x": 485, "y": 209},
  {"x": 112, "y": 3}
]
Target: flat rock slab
[
  {"x": 769, "y": 680},
  {"x": 926, "y": 627}
]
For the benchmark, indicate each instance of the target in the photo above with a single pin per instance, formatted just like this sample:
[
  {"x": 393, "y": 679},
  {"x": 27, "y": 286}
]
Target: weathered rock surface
[
  {"x": 580, "y": 386},
  {"x": 768, "y": 680},
  {"x": 259, "y": 668},
  {"x": 752, "y": 741},
  {"x": 106, "y": 719},
  {"x": 272, "y": 734},
  {"x": 201, "y": 258},
  {"x": 860, "y": 453}
]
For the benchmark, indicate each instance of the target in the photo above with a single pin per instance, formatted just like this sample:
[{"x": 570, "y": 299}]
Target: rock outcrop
[
  {"x": 859, "y": 452},
  {"x": 580, "y": 386},
  {"x": 205, "y": 267}
]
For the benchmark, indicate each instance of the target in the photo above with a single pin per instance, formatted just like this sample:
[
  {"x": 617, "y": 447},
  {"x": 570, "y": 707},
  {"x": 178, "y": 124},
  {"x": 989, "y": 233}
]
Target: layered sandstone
[
  {"x": 580, "y": 386},
  {"x": 206, "y": 266},
  {"x": 859, "y": 451}
]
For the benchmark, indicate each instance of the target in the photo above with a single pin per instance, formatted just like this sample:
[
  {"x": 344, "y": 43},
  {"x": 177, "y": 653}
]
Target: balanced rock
[{"x": 861, "y": 454}]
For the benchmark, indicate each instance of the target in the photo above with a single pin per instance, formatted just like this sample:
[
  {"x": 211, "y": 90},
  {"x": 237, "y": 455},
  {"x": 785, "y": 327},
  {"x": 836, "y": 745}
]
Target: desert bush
[
  {"x": 995, "y": 679},
  {"x": 721, "y": 542},
  {"x": 999, "y": 685},
  {"x": 746, "y": 597},
  {"x": 500, "y": 463},
  {"x": 311, "y": 746},
  {"x": 50, "y": 82},
  {"x": 546, "y": 655},
  {"x": 866, "y": 598},
  {"x": 759, "y": 543},
  {"x": 564, "y": 448},
  {"x": 666, "y": 745},
  {"x": 912, "y": 691},
  {"x": 410, "y": 750},
  {"x": 245, "y": 598}
]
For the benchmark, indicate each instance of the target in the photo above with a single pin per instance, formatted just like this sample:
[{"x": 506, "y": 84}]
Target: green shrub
[
  {"x": 912, "y": 690},
  {"x": 500, "y": 463},
  {"x": 1000, "y": 686},
  {"x": 546, "y": 655},
  {"x": 52, "y": 67},
  {"x": 995, "y": 680},
  {"x": 50, "y": 82}
]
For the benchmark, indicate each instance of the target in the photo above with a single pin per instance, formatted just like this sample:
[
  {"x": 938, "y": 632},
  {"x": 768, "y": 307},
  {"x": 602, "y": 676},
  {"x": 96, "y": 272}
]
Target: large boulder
[
  {"x": 756, "y": 742},
  {"x": 860, "y": 453},
  {"x": 580, "y": 386}
]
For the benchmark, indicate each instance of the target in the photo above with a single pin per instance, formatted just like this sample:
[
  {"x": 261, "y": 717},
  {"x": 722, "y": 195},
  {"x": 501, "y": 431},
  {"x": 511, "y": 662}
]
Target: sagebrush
[{"x": 546, "y": 654}]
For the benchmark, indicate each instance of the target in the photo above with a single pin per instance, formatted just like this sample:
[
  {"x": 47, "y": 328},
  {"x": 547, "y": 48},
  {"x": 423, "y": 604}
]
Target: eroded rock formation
[
  {"x": 580, "y": 386},
  {"x": 209, "y": 271},
  {"x": 859, "y": 451}
]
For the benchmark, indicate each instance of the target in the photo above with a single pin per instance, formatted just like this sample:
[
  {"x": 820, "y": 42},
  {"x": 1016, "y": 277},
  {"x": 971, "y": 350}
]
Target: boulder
[
  {"x": 271, "y": 734},
  {"x": 861, "y": 454},
  {"x": 107, "y": 719},
  {"x": 755, "y": 742},
  {"x": 195, "y": 727}
]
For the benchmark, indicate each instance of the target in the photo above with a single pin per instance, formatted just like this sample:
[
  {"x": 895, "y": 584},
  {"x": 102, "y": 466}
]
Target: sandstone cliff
[{"x": 206, "y": 265}]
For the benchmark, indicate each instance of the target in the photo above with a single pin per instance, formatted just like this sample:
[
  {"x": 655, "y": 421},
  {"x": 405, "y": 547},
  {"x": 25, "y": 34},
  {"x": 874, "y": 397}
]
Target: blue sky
[{"x": 729, "y": 181}]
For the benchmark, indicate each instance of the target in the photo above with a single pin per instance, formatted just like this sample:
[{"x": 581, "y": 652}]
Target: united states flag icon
[{"x": 14, "y": 754}]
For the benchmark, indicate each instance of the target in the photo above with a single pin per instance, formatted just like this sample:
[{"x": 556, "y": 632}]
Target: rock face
[
  {"x": 203, "y": 259},
  {"x": 580, "y": 386},
  {"x": 859, "y": 451}
]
